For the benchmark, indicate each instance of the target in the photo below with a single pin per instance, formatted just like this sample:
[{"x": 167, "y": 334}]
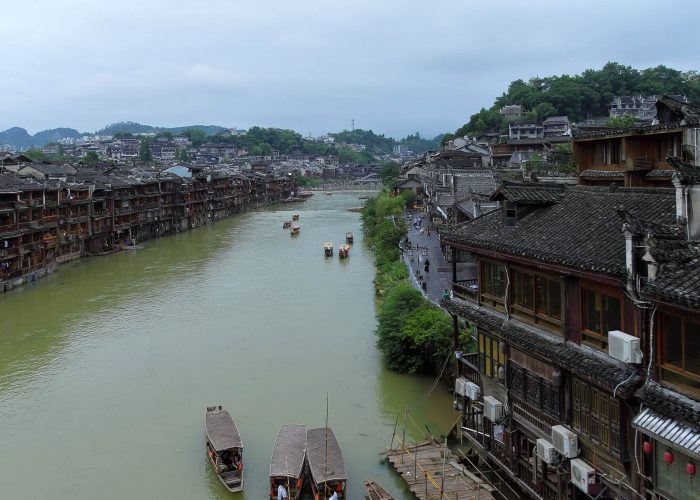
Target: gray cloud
[{"x": 394, "y": 66}]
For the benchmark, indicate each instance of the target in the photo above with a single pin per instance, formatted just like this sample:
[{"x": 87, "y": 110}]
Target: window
[
  {"x": 534, "y": 390},
  {"x": 607, "y": 152},
  {"x": 680, "y": 352},
  {"x": 491, "y": 359},
  {"x": 493, "y": 279},
  {"x": 596, "y": 416},
  {"x": 601, "y": 313},
  {"x": 537, "y": 298}
]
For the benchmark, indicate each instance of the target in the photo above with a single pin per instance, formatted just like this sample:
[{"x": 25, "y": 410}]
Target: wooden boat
[
  {"x": 348, "y": 238},
  {"x": 344, "y": 251},
  {"x": 286, "y": 224},
  {"x": 305, "y": 194},
  {"x": 329, "y": 193},
  {"x": 356, "y": 210},
  {"x": 294, "y": 230},
  {"x": 326, "y": 465},
  {"x": 224, "y": 448},
  {"x": 328, "y": 249},
  {"x": 376, "y": 492},
  {"x": 295, "y": 216},
  {"x": 363, "y": 197},
  {"x": 287, "y": 463}
]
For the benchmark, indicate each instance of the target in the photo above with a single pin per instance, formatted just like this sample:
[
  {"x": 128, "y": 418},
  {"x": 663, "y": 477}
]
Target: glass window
[
  {"x": 601, "y": 314},
  {"x": 492, "y": 359},
  {"x": 680, "y": 358},
  {"x": 493, "y": 279},
  {"x": 524, "y": 293}
]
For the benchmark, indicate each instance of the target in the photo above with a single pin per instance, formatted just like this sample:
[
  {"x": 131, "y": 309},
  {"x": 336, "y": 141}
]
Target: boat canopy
[
  {"x": 289, "y": 451},
  {"x": 326, "y": 462},
  {"x": 222, "y": 432}
]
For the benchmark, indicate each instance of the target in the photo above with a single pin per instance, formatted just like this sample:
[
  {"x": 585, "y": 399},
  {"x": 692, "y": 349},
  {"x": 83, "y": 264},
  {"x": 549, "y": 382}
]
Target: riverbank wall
[{"x": 44, "y": 223}]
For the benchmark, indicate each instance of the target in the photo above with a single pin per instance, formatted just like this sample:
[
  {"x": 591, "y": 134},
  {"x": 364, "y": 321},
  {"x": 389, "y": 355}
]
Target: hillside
[
  {"x": 138, "y": 128},
  {"x": 582, "y": 96},
  {"x": 20, "y": 138}
]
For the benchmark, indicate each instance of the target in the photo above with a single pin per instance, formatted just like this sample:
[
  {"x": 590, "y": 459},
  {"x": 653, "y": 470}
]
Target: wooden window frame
[
  {"x": 596, "y": 417},
  {"x": 486, "y": 294},
  {"x": 535, "y": 314},
  {"x": 678, "y": 371},
  {"x": 488, "y": 366},
  {"x": 600, "y": 336}
]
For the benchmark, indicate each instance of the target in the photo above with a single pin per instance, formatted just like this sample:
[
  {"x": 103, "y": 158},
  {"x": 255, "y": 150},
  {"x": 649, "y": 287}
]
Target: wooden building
[
  {"x": 547, "y": 397},
  {"x": 636, "y": 156}
]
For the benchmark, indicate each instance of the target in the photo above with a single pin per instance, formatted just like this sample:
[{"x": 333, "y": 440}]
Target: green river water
[{"x": 106, "y": 366}]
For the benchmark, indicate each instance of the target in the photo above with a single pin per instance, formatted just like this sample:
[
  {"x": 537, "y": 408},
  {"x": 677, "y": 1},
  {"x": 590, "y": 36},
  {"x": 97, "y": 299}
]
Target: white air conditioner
[
  {"x": 493, "y": 408},
  {"x": 582, "y": 475},
  {"x": 473, "y": 391},
  {"x": 565, "y": 441},
  {"x": 461, "y": 386},
  {"x": 624, "y": 347},
  {"x": 546, "y": 451}
]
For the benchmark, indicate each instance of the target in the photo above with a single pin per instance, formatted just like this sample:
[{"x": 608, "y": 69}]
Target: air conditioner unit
[
  {"x": 461, "y": 386},
  {"x": 493, "y": 408},
  {"x": 565, "y": 441},
  {"x": 546, "y": 451},
  {"x": 473, "y": 391},
  {"x": 624, "y": 347},
  {"x": 582, "y": 475}
]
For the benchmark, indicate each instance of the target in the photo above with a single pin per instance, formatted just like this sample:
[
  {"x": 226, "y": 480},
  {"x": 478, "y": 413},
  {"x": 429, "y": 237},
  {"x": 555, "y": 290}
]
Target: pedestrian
[
  {"x": 428, "y": 232},
  {"x": 426, "y": 266},
  {"x": 281, "y": 493}
]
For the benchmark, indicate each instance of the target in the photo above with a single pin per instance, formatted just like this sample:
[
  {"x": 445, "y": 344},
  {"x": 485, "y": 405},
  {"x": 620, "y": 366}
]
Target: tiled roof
[
  {"x": 529, "y": 193},
  {"x": 677, "y": 283},
  {"x": 659, "y": 174},
  {"x": 585, "y": 362},
  {"x": 608, "y": 174},
  {"x": 670, "y": 403},
  {"x": 582, "y": 230},
  {"x": 687, "y": 173},
  {"x": 670, "y": 431}
]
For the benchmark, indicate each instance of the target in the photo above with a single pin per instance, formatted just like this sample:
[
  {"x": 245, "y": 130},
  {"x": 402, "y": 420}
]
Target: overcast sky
[{"x": 393, "y": 66}]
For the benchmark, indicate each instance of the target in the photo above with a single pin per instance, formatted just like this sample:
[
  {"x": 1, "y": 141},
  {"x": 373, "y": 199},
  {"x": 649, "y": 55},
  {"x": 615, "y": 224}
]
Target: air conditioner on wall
[
  {"x": 461, "y": 386},
  {"x": 473, "y": 391},
  {"x": 582, "y": 476},
  {"x": 624, "y": 347},
  {"x": 565, "y": 441},
  {"x": 546, "y": 451},
  {"x": 493, "y": 408}
]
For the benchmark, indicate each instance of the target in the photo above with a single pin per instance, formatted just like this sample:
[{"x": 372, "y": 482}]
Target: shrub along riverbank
[{"x": 414, "y": 336}]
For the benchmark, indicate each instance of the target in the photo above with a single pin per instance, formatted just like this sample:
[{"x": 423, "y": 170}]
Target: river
[{"x": 106, "y": 366}]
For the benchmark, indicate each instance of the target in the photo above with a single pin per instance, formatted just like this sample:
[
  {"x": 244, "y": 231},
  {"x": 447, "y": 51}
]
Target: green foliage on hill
[
  {"x": 376, "y": 143},
  {"x": 582, "y": 96},
  {"x": 412, "y": 334}
]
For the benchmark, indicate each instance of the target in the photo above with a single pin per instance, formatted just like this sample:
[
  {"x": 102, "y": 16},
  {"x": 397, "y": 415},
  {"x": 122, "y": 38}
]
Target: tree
[
  {"x": 389, "y": 173},
  {"x": 145, "y": 151},
  {"x": 624, "y": 121},
  {"x": 263, "y": 149},
  {"x": 91, "y": 158},
  {"x": 196, "y": 137}
]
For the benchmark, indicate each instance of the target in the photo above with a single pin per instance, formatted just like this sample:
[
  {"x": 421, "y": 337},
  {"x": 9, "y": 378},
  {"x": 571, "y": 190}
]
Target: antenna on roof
[{"x": 352, "y": 122}]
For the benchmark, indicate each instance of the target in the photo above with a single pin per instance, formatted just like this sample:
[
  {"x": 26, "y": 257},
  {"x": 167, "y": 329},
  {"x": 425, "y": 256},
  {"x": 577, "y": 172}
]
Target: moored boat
[
  {"x": 305, "y": 195},
  {"x": 329, "y": 193},
  {"x": 326, "y": 465},
  {"x": 295, "y": 216},
  {"x": 344, "y": 251},
  {"x": 328, "y": 249},
  {"x": 224, "y": 448},
  {"x": 286, "y": 224},
  {"x": 376, "y": 492},
  {"x": 348, "y": 238},
  {"x": 287, "y": 463},
  {"x": 294, "y": 230}
]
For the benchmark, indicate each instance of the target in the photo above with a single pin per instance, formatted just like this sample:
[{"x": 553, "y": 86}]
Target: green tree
[
  {"x": 263, "y": 149},
  {"x": 389, "y": 173},
  {"x": 196, "y": 137},
  {"x": 624, "y": 121},
  {"x": 91, "y": 158},
  {"x": 145, "y": 150}
]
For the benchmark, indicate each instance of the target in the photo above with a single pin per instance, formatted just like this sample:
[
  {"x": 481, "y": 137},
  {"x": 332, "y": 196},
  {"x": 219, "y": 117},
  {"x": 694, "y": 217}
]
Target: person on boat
[
  {"x": 334, "y": 496},
  {"x": 281, "y": 492}
]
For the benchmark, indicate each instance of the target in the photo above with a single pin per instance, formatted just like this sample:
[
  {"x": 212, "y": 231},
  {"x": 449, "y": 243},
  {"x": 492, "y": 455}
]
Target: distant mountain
[
  {"x": 138, "y": 128},
  {"x": 20, "y": 138}
]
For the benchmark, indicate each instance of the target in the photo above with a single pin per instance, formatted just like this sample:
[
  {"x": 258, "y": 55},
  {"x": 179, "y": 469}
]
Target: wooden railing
[
  {"x": 465, "y": 289},
  {"x": 469, "y": 367}
]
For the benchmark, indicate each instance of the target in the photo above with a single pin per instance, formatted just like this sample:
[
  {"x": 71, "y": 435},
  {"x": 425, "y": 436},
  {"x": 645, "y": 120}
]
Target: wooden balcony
[
  {"x": 468, "y": 367},
  {"x": 465, "y": 289},
  {"x": 638, "y": 164}
]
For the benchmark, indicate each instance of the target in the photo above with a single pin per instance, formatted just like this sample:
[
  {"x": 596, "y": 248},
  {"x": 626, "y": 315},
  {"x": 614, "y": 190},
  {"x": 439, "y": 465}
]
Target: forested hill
[{"x": 582, "y": 96}]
